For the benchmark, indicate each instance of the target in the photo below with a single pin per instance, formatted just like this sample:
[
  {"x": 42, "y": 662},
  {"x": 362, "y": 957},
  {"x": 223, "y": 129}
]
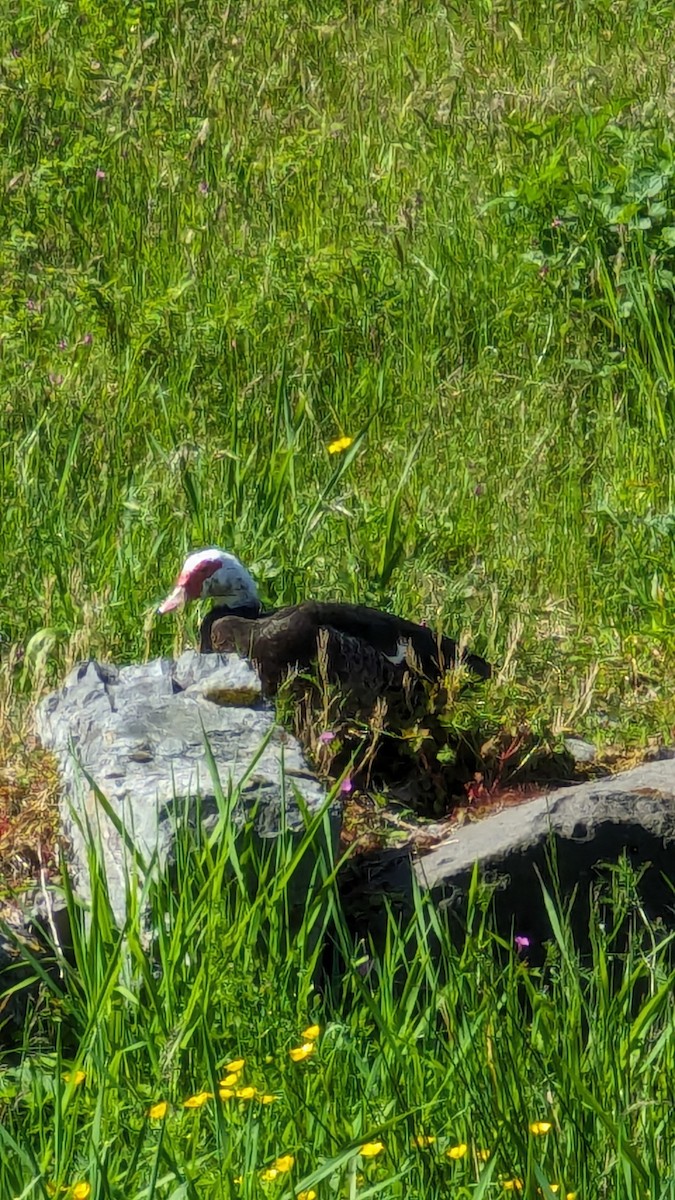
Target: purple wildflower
[
  {"x": 346, "y": 786},
  {"x": 33, "y": 306},
  {"x": 326, "y": 737},
  {"x": 87, "y": 339},
  {"x": 63, "y": 344},
  {"x": 521, "y": 942}
]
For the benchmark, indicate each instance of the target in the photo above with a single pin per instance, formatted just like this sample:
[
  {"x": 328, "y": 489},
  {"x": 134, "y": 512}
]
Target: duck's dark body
[
  {"x": 367, "y": 652},
  {"x": 251, "y": 612}
]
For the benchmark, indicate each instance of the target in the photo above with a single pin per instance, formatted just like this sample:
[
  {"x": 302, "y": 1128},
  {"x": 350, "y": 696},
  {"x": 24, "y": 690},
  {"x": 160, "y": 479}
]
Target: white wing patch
[{"x": 400, "y": 656}]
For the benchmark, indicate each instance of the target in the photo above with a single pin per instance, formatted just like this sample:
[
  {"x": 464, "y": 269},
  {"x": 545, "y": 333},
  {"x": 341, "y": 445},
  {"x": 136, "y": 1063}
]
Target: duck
[{"x": 366, "y": 652}]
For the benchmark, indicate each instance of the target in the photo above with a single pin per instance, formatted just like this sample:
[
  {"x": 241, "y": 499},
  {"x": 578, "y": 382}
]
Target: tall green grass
[
  {"x": 231, "y": 235},
  {"x": 227, "y": 236},
  {"x": 426, "y": 1045}
]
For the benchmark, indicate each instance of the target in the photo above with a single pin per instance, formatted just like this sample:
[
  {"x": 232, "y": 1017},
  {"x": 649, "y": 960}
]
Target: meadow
[{"x": 230, "y": 235}]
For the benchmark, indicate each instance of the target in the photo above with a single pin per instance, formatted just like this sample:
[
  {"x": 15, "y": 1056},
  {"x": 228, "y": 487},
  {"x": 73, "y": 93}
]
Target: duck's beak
[{"x": 177, "y": 599}]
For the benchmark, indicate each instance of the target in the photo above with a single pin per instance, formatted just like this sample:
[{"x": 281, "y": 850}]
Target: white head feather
[{"x": 212, "y": 572}]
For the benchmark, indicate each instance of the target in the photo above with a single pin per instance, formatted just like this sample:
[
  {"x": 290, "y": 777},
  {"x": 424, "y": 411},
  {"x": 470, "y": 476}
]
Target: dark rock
[
  {"x": 136, "y": 735},
  {"x": 580, "y": 829}
]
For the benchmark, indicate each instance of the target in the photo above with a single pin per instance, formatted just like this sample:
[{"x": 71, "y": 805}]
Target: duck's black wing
[
  {"x": 251, "y": 612},
  {"x": 366, "y": 650},
  {"x": 391, "y": 635}
]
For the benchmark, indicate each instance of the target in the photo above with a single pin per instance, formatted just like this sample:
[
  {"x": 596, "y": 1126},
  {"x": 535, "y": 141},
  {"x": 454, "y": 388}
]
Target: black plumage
[{"x": 366, "y": 652}]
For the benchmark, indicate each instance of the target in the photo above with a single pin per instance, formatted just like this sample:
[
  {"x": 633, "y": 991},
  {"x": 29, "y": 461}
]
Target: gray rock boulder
[
  {"x": 137, "y": 736},
  {"x": 580, "y": 828}
]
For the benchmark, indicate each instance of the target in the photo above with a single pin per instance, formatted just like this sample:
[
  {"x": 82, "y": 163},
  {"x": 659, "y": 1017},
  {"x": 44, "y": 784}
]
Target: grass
[
  {"x": 228, "y": 236},
  {"x": 425, "y": 1048}
]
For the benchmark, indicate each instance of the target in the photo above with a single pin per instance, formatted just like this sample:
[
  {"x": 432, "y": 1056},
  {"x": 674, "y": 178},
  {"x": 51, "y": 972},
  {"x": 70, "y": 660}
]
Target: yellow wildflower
[
  {"x": 571, "y": 1196},
  {"x": 301, "y": 1052},
  {"x": 457, "y": 1151},
  {"x": 230, "y": 1080},
  {"x": 81, "y": 1191},
  {"x": 198, "y": 1101},
  {"x": 482, "y": 1155},
  {"x": 513, "y": 1185},
  {"x": 370, "y": 1149},
  {"x": 540, "y": 1127},
  {"x": 266, "y": 1098},
  {"x": 157, "y": 1112},
  {"x": 554, "y": 1187},
  {"x": 311, "y": 1033},
  {"x": 310, "y": 1194},
  {"x": 236, "y": 1065},
  {"x": 225, "y": 1093},
  {"x": 75, "y": 1077},
  {"x": 342, "y": 443},
  {"x": 268, "y": 1175},
  {"x": 245, "y": 1093},
  {"x": 421, "y": 1140},
  {"x": 284, "y": 1163}
]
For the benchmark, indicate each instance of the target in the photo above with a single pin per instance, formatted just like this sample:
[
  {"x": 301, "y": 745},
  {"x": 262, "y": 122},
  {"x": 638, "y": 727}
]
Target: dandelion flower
[
  {"x": 513, "y": 1185},
  {"x": 284, "y": 1163},
  {"x": 157, "y": 1112},
  {"x": 266, "y": 1098},
  {"x": 268, "y": 1175},
  {"x": 198, "y": 1101},
  {"x": 571, "y": 1196},
  {"x": 554, "y": 1187},
  {"x": 340, "y": 444},
  {"x": 370, "y": 1149},
  {"x": 301, "y": 1052},
  {"x": 310, "y": 1194},
  {"x": 457, "y": 1151},
  {"x": 482, "y": 1155},
  {"x": 225, "y": 1093},
  {"x": 540, "y": 1127},
  {"x": 245, "y": 1093},
  {"x": 81, "y": 1191},
  {"x": 230, "y": 1080},
  {"x": 75, "y": 1077},
  {"x": 421, "y": 1140},
  {"x": 311, "y": 1033},
  {"x": 235, "y": 1066}
]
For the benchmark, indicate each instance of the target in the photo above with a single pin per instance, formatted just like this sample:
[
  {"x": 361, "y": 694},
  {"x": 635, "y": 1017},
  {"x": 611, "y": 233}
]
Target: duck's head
[{"x": 213, "y": 573}]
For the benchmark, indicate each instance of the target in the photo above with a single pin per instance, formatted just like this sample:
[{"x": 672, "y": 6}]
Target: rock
[
  {"x": 138, "y": 733},
  {"x": 581, "y": 751},
  {"x": 30, "y": 929},
  {"x": 581, "y": 828}
]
